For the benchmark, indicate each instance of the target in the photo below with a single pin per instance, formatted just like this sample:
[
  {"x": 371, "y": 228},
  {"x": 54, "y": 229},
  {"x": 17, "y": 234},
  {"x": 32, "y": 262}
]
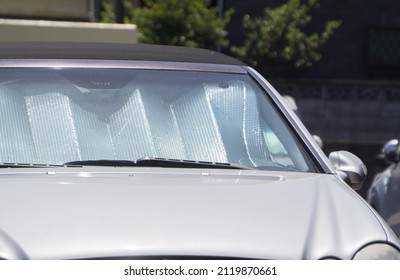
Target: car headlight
[{"x": 378, "y": 251}]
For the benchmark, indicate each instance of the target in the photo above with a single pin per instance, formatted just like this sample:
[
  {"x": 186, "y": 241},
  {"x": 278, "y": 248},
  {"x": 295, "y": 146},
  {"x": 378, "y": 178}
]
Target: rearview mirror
[{"x": 349, "y": 167}]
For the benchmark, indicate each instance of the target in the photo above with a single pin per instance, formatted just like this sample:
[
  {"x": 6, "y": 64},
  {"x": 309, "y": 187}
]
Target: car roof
[{"x": 111, "y": 51}]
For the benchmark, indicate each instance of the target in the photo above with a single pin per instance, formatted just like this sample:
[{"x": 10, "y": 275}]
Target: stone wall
[
  {"x": 357, "y": 116},
  {"x": 347, "y": 111}
]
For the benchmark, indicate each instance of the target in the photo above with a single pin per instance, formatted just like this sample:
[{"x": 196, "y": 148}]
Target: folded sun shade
[{"x": 52, "y": 120}]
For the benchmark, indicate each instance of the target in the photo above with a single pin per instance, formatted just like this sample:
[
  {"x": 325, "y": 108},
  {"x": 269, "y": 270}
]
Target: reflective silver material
[
  {"x": 217, "y": 122},
  {"x": 391, "y": 150},
  {"x": 130, "y": 130},
  {"x": 53, "y": 143},
  {"x": 352, "y": 170},
  {"x": 135, "y": 212},
  {"x": 234, "y": 106},
  {"x": 198, "y": 127},
  {"x": 93, "y": 134},
  {"x": 384, "y": 192},
  {"x": 14, "y": 142}
]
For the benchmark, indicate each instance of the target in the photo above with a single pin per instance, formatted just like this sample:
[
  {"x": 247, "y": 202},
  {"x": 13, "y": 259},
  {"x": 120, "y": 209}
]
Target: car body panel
[
  {"x": 119, "y": 212},
  {"x": 125, "y": 64},
  {"x": 384, "y": 196},
  {"x": 92, "y": 212}
]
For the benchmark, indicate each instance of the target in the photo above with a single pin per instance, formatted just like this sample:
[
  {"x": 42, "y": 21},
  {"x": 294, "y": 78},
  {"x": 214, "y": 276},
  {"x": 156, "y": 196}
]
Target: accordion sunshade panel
[{"x": 50, "y": 123}]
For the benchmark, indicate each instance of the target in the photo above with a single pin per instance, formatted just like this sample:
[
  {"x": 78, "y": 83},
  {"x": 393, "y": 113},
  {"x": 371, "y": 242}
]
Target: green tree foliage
[
  {"x": 191, "y": 23},
  {"x": 108, "y": 13},
  {"x": 277, "y": 40}
]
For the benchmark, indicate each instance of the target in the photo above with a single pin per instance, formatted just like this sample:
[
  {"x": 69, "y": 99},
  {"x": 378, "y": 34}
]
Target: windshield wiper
[
  {"x": 26, "y": 165},
  {"x": 101, "y": 162},
  {"x": 157, "y": 162},
  {"x": 181, "y": 163}
]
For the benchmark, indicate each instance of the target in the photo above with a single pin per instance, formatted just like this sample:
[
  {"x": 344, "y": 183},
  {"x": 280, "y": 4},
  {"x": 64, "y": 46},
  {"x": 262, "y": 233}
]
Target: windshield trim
[
  {"x": 121, "y": 64},
  {"x": 302, "y": 135}
]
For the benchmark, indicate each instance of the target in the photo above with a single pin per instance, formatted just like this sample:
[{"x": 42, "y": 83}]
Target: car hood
[{"x": 89, "y": 212}]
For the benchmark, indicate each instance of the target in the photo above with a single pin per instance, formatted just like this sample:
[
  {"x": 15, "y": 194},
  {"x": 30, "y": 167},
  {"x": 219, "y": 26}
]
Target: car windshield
[{"x": 56, "y": 116}]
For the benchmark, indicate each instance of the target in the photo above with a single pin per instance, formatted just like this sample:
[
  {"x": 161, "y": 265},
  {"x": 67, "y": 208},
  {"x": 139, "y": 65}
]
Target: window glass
[{"x": 53, "y": 116}]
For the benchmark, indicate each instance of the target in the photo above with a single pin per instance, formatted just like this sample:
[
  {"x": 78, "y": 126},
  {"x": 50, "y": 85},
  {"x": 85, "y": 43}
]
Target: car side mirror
[
  {"x": 349, "y": 167},
  {"x": 391, "y": 150},
  {"x": 319, "y": 141}
]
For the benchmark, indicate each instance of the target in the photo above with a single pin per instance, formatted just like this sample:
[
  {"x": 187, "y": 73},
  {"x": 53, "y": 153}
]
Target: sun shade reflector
[{"x": 60, "y": 122}]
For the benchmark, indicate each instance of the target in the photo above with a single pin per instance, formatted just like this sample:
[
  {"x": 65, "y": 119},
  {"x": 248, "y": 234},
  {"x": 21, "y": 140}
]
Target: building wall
[
  {"x": 47, "y": 9},
  {"x": 39, "y": 30}
]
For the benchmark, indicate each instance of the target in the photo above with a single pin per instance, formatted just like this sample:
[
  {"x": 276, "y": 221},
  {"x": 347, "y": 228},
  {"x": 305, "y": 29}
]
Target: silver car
[
  {"x": 113, "y": 151},
  {"x": 384, "y": 192}
]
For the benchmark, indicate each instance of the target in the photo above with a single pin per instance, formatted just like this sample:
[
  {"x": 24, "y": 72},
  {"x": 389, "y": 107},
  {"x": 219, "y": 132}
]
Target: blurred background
[{"x": 339, "y": 60}]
